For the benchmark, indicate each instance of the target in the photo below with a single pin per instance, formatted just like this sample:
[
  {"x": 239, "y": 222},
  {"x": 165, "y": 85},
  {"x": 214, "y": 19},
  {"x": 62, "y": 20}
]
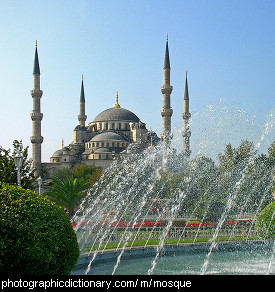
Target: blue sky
[{"x": 227, "y": 47}]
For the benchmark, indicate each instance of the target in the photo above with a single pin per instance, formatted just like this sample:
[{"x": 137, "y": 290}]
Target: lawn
[{"x": 142, "y": 243}]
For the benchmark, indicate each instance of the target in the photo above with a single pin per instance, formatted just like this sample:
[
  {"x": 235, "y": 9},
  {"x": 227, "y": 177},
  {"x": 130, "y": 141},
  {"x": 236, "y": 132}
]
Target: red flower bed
[
  {"x": 148, "y": 224},
  {"x": 155, "y": 224},
  {"x": 122, "y": 224},
  {"x": 207, "y": 224}
]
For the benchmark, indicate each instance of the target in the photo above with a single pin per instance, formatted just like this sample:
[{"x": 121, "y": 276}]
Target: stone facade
[{"x": 107, "y": 137}]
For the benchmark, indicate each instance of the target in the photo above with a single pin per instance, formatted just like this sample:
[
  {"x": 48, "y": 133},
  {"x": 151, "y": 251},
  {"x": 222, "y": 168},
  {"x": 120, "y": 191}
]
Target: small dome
[
  {"x": 116, "y": 114},
  {"x": 58, "y": 153},
  {"x": 107, "y": 136}
]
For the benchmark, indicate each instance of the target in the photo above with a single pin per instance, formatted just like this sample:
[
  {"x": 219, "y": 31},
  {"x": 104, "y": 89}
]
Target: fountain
[{"x": 176, "y": 217}]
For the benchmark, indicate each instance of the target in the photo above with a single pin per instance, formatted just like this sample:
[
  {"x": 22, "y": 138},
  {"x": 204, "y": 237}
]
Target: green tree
[
  {"x": 67, "y": 192},
  {"x": 235, "y": 159},
  {"x": 265, "y": 223},
  {"x": 271, "y": 156},
  {"x": 36, "y": 237},
  {"x": 271, "y": 152},
  {"x": 88, "y": 173},
  {"x": 250, "y": 175},
  {"x": 68, "y": 186},
  {"x": 204, "y": 195},
  {"x": 8, "y": 172}
]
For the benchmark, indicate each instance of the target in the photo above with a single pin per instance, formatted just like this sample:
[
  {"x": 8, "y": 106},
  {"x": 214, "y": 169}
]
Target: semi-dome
[
  {"x": 107, "y": 136},
  {"x": 116, "y": 114},
  {"x": 102, "y": 150}
]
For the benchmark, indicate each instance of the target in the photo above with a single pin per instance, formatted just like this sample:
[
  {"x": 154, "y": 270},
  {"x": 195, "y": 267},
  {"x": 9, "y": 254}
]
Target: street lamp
[
  {"x": 18, "y": 160},
  {"x": 39, "y": 180}
]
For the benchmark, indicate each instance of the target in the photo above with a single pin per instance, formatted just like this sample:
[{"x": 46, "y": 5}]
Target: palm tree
[{"x": 67, "y": 192}]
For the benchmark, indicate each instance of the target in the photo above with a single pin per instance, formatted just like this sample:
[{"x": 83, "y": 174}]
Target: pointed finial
[
  {"x": 186, "y": 94},
  {"x": 116, "y": 105},
  {"x": 166, "y": 58},
  {"x": 62, "y": 145},
  {"x": 36, "y": 69},
  {"x": 82, "y": 94}
]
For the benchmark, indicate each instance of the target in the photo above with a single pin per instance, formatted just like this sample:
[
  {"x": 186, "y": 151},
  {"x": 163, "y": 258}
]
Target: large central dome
[{"x": 116, "y": 114}]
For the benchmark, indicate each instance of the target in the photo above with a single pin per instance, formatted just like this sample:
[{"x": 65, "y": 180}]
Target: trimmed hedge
[
  {"x": 36, "y": 237},
  {"x": 265, "y": 224}
]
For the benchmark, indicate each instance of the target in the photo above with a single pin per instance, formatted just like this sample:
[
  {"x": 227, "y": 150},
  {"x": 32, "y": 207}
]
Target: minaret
[
  {"x": 82, "y": 117},
  {"x": 166, "y": 89},
  {"x": 186, "y": 128},
  {"x": 36, "y": 116}
]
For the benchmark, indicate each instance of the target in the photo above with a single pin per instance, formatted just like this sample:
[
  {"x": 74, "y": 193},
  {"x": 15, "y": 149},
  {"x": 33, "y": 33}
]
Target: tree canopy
[
  {"x": 36, "y": 237},
  {"x": 206, "y": 186},
  {"x": 8, "y": 172},
  {"x": 68, "y": 186}
]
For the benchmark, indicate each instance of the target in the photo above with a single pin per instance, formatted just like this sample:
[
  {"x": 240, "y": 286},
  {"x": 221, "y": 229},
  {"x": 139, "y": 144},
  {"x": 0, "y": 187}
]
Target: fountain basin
[{"x": 182, "y": 259}]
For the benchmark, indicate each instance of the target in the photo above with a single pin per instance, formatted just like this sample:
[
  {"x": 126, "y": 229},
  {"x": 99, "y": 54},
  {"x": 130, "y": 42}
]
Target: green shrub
[
  {"x": 265, "y": 224},
  {"x": 36, "y": 237}
]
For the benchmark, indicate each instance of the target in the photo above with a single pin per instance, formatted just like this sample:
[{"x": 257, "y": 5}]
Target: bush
[
  {"x": 265, "y": 224},
  {"x": 36, "y": 237}
]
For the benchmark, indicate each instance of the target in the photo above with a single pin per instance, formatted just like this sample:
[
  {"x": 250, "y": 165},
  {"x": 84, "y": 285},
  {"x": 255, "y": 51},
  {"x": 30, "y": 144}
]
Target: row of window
[
  {"x": 109, "y": 126},
  {"x": 106, "y": 144}
]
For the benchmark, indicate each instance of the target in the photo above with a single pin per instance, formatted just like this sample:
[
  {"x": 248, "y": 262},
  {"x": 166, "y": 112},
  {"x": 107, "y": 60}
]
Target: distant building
[{"x": 113, "y": 133}]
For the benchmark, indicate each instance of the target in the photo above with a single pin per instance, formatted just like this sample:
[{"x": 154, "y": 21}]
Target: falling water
[
  {"x": 130, "y": 188},
  {"x": 231, "y": 199}
]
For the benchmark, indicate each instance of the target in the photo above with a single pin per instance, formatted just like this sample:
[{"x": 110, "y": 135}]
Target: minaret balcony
[
  {"x": 36, "y": 139},
  {"x": 82, "y": 117},
  {"x": 166, "y": 89},
  {"x": 36, "y": 116},
  {"x": 166, "y": 112},
  {"x": 186, "y": 134},
  {"x": 186, "y": 116},
  {"x": 36, "y": 93},
  {"x": 186, "y": 152}
]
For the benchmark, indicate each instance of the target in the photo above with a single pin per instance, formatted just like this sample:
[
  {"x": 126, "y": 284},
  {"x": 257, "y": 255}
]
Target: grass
[{"x": 141, "y": 243}]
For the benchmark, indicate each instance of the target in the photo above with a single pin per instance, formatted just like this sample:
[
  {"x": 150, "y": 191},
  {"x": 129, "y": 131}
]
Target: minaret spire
[
  {"x": 36, "y": 116},
  {"x": 36, "y": 68},
  {"x": 166, "y": 58},
  {"x": 166, "y": 89},
  {"x": 186, "y": 127},
  {"x": 82, "y": 117}
]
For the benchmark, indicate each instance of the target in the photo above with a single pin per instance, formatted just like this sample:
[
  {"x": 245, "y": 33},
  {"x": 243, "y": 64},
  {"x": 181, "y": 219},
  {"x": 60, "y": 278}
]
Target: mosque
[{"x": 113, "y": 133}]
